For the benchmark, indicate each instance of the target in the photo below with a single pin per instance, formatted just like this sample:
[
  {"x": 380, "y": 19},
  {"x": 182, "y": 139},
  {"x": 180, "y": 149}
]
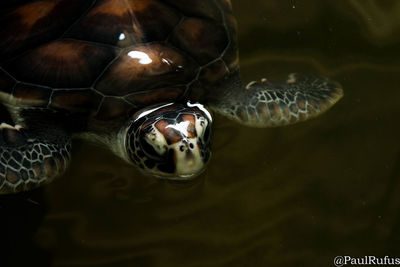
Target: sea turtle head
[{"x": 170, "y": 140}]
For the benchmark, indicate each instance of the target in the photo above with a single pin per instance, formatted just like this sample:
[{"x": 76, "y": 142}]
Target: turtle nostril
[
  {"x": 182, "y": 148},
  {"x": 191, "y": 145}
]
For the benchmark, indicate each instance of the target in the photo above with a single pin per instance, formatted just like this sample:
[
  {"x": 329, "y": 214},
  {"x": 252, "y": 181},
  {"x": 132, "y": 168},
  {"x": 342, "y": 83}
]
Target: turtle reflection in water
[{"x": 140, "y": 77}]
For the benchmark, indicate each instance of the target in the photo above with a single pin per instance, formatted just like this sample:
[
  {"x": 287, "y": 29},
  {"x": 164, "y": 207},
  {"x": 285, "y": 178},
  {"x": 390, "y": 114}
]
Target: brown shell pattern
[{"x": 106, "y": 58}]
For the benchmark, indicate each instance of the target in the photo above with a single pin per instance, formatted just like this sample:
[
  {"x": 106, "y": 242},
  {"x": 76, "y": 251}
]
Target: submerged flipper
[
  {"x": 31, "y": 158},
  {"x": 265, "y": 104}
]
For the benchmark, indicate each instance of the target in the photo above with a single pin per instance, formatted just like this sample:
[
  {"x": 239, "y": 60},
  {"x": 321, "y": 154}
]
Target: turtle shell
[{"x": 106, "y": 58}]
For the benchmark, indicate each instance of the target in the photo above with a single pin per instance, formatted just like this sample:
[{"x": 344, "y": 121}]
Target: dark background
[{"x": 292, "y": 196}]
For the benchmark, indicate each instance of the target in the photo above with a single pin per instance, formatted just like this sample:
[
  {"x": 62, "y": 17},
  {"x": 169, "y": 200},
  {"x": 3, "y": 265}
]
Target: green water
[{"x": 291, "y": 196}]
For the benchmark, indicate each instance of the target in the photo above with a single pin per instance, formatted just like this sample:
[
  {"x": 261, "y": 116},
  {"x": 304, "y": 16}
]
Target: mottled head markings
[{"x": 170, "y": 140}]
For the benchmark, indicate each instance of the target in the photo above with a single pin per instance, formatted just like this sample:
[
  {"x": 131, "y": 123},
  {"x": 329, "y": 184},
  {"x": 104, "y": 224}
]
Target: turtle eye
[
  {"x": 149, "y": 150},
  {"x": 153, "y": 144},
  {"x": 203, "y": 128},
  {"x": 207, "y": 134}
]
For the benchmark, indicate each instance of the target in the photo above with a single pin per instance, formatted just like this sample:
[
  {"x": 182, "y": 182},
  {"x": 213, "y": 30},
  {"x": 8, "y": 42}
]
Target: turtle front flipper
[
  {"x": 31, "y": 158},
  {"x": 265, "y": 104}
]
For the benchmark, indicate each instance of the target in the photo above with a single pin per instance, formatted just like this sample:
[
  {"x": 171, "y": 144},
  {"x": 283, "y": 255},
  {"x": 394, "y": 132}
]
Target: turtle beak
[{"x": 188, "y": 159}]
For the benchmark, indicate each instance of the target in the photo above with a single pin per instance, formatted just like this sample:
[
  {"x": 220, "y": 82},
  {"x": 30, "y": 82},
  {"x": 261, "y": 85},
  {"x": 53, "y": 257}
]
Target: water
[{"x": 291, "y": 196}]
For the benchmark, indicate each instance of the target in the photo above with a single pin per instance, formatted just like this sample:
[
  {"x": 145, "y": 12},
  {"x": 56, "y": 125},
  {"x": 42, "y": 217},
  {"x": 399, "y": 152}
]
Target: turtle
[{"x": 143, "y": 78}]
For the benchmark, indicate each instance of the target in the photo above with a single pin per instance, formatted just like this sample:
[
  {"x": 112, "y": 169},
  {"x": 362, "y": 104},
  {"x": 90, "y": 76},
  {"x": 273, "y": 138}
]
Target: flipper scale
[{"x": 266, "y": 104}]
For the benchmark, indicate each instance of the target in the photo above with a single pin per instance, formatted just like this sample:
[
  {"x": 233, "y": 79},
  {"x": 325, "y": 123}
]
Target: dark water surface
[{"x": 291, "y": 196}]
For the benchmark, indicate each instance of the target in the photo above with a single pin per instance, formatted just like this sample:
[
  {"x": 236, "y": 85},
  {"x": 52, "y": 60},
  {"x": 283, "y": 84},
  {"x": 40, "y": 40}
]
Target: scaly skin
[
  {"x": 265, "y": 104},
  {"x": 28, "y": 160}
]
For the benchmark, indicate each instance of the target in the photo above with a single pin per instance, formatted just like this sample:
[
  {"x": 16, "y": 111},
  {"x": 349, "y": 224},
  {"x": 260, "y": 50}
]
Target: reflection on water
[{"x": 291, "y": 196}]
